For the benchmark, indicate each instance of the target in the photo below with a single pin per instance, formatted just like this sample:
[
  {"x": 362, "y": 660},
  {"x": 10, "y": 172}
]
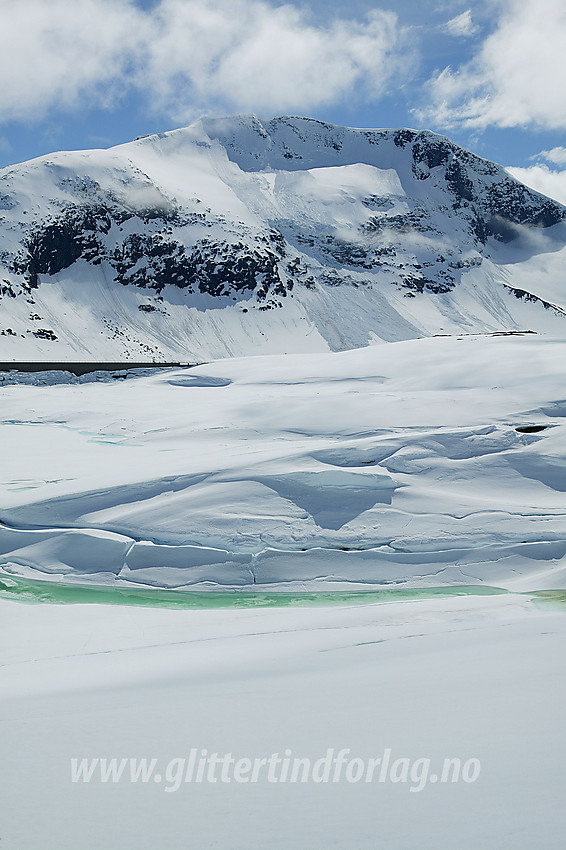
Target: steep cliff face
[{"x": 236, "y": 236}]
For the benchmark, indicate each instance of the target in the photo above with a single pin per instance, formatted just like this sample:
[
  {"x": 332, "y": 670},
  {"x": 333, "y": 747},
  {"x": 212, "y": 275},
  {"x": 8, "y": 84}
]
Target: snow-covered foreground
[
  {"x": 262, "y": 485},
  {"x": 396, "y": 464},
  {"x": 468, "y": 678}
]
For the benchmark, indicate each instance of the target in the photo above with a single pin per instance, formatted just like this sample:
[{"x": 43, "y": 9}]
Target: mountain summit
[{"x": 240, "y": 236}]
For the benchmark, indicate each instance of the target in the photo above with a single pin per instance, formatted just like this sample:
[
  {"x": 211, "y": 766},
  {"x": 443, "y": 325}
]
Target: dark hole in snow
[{"x": 530, "y": 429}]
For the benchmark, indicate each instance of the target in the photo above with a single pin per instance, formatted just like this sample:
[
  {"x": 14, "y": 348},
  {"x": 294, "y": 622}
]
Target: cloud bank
[
  {"x": 189, "y": 55},
  {"x": 60, "y": 51},
  {"x": 516, "y": 78},
  {"x": 555, "y": 155},
  {"x": 543, "y": 179}
]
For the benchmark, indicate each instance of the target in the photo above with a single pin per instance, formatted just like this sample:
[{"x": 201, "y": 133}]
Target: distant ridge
[{"x": 240, "y": 235}]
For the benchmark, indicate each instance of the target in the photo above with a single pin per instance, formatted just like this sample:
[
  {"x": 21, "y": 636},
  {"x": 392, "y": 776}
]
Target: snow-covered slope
[
  {"x": 236, "y": 236},
  {"x": 414, "y": 462}
]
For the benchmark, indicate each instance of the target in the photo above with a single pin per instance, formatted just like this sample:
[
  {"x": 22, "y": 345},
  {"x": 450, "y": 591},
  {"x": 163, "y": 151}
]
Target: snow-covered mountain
[{"x": 239, "y": 236}]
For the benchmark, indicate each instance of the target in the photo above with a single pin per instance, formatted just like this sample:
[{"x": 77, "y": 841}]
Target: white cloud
[
  {"x": 555, "y": 155},
  {"x": 462, "y": 25},
  {"x": 251, "y": 55},
  {"x": 543, "y": 179},
  {"x": 191, "y": 55},
  {"x": 517, "y": 78},
  {"x": 58, "y": 51}
]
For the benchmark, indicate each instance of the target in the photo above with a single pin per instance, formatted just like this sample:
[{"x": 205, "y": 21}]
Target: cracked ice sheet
[
  {"x": 463, "y": 677},
  {"x": 369, "y": 456}
]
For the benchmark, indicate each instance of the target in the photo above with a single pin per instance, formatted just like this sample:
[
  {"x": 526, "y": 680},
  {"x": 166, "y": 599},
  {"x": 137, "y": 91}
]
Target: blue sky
[{"x": 93, "y": 73}]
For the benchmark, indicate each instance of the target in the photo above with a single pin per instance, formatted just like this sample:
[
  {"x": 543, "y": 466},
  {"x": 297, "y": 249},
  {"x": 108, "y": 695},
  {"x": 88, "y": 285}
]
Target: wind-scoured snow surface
[
  {"x": 473, "y": 677},
  {"x": 397, "y": 465},
  {"x": 239, "y": 236}
]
